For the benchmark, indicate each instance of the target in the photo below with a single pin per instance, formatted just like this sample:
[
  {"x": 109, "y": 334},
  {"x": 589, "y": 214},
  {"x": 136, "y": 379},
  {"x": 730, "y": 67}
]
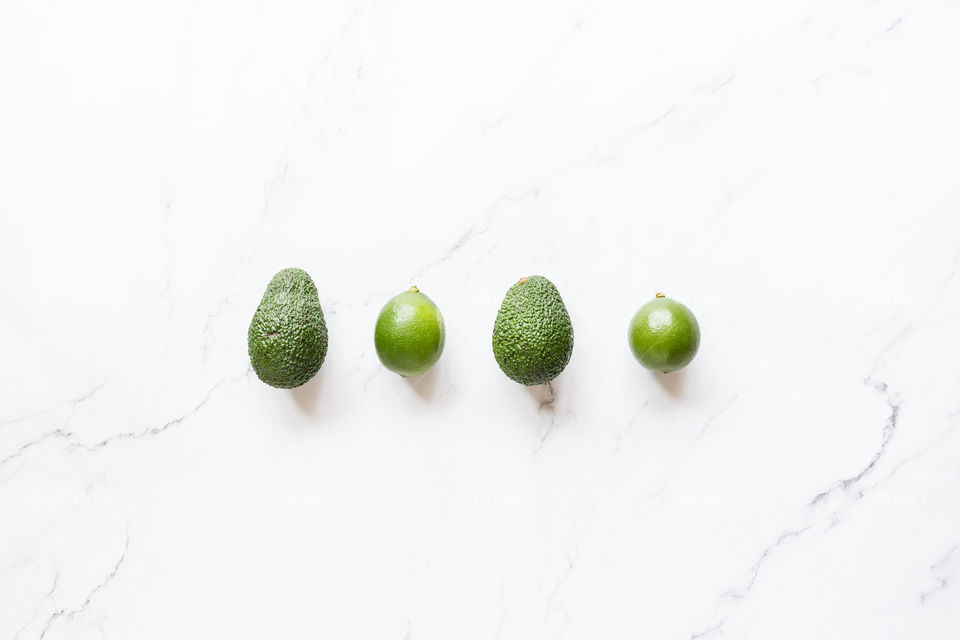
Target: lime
[
  {"x": 664, "y": 335},
  {"x": 409, "y": 334}
]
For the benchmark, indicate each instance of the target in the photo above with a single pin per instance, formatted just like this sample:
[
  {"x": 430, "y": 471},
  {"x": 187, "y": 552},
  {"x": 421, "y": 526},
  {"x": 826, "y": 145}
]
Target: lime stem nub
[
  {"x": 413, "y": 289},
  {"x": 660, "y": 295}
]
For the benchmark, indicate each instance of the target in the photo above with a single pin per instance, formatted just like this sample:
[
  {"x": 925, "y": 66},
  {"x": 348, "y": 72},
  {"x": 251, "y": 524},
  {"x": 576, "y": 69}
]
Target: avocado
[
  {"x": 532, "y": 336},
  {"x": 287, "y": 339}
]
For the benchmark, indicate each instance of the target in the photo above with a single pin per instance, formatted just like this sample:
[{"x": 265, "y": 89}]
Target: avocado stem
[
  {"x": 413, "y": 289},
  {"x": 522, "y": 280}
]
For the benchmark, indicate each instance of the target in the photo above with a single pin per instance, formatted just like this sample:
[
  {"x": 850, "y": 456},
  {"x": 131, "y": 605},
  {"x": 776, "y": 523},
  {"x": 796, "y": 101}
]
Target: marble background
[{"x": 787, "y": 169}]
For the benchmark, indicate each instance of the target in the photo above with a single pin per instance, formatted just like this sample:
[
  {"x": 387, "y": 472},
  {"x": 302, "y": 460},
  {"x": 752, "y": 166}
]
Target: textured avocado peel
[
  {"x": 287, "y": 338},
  {"x": 532, "y": 335}
]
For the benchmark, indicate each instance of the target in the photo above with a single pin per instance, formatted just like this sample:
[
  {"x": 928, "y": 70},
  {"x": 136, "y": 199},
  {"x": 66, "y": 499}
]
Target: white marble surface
[{"x": 787, "y": 169}]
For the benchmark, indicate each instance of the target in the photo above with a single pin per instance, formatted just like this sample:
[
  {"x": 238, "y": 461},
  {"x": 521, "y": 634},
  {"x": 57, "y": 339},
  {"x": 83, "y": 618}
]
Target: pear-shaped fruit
[
  {"x": 287, "y": 339},
  {"x": 532, "y": 336}
]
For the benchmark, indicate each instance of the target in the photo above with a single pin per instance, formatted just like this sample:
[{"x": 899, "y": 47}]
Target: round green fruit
[
  {"x": 664, "y": 335},
  {"x": 409, "y": 334}
]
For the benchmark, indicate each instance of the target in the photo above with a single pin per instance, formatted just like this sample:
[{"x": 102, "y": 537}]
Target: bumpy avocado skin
[
  {"x": 287, "y": 339},
  {"x": 532, "y": 336}
]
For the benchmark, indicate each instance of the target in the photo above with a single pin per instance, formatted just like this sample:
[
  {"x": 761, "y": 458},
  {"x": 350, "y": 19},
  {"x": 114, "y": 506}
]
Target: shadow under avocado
[
  {"x": 307, "y": 395},
  {"x": 544, "y": 394}
]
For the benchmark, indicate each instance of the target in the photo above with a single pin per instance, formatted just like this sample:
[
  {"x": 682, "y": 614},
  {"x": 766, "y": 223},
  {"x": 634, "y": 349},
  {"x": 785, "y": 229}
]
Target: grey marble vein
[
  {"x": 753, "y": 574},
  {"x": 551, "y": 604},
  {"x": 46, "y": 596},
  {"x": 625, "y": 432},
  {"x": 887, "y": 434},
  {"x": 943, "y": 580},
  {"x": 72, "y": 402},
  {"x": 278, "y": 177},
  {"x": 60, "y": 432},
  {"x": 152, "y": 431},
  {"x": 476, "y": 230},
  {"x": 764, "y": 556},
  {"x": 69, "y": 614}
]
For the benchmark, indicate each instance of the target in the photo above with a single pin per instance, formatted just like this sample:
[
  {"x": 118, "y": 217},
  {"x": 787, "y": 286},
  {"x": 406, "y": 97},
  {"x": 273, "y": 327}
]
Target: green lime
[
  {"x": 664, "y": 335},
  {"x": 409, "y": 334}
]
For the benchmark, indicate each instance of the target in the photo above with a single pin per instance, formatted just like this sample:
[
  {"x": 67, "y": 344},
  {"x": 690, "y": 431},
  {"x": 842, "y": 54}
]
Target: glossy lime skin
[
  {"x": 664, "y": 335},
  {"x": 409, "y": 335}
]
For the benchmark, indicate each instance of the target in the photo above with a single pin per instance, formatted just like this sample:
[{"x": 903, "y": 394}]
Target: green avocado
[
  {"x": 532, "y": 336},
  {"x": 287, "y": 339}
]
